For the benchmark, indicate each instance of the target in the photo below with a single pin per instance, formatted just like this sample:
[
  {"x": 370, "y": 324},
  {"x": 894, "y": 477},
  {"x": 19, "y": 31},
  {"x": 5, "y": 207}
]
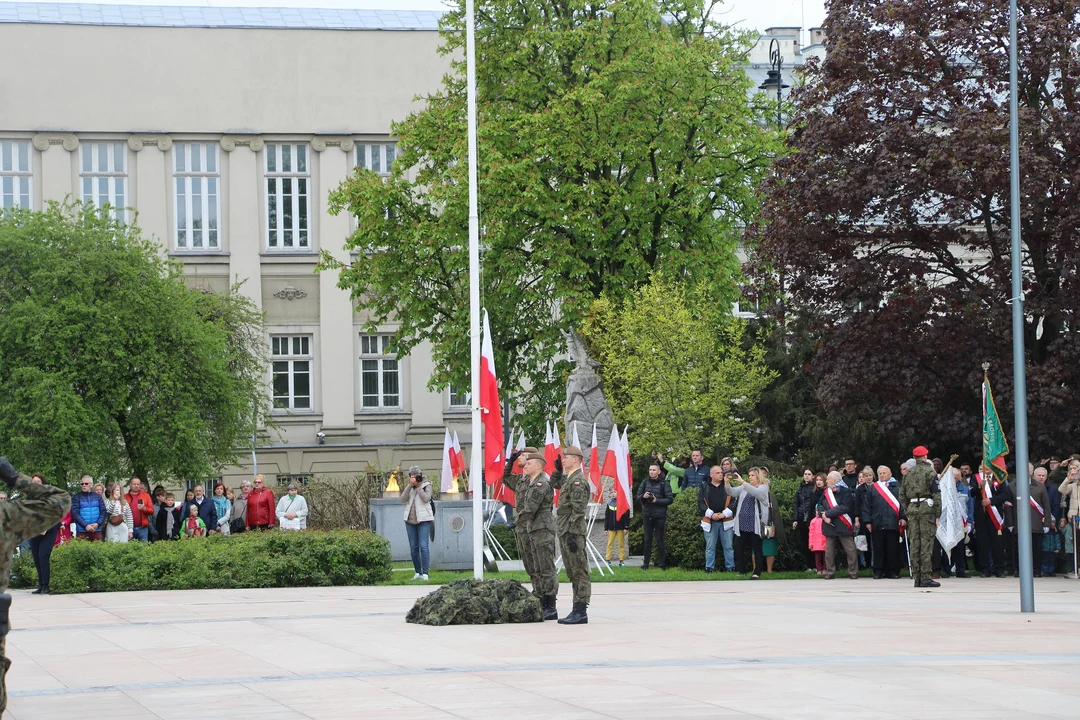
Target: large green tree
[
  {"x": 109, "y": 363},
  {"x": 616, "y": 138},
  {"x": 675, "y": 369}
]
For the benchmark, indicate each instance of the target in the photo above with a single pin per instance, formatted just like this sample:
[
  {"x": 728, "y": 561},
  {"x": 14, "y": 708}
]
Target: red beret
[{"x": 920, "y": 452}]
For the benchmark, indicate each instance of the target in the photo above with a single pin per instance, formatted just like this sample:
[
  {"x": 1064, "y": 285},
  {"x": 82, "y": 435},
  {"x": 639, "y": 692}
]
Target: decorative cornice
[
  {"x": 137, "y": 142},
  {"x": 254, "y": 142},
  {"x": 290, "y": 293},
  {"x": 319, "y": 143},
  {"x": 68, "y": 140}
]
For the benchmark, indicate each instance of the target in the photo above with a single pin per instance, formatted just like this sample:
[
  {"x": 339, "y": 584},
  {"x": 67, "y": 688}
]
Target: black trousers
[
  {"x": 41, "y": 548},
  {"x": 655, "y": 526},
  {"x": 887, "y": 551},
  {"x": 803, "y": 531},
  {"x": 957, "y": 557},
  {"x": 748, "y": 541}
]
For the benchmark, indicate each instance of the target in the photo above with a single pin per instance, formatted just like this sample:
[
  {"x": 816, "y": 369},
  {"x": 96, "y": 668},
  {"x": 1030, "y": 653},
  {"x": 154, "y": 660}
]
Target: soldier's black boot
[
  {"x": 548, "y": 604},
  {"x": 577, "y": 616}
]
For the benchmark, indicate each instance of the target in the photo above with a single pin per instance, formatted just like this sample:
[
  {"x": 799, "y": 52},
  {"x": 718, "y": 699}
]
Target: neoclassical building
[{"x": 221, "y": 132}]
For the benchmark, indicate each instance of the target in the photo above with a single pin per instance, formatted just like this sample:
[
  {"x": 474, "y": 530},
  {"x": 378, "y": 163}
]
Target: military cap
[
  {"x": 576, "y": 452},
  {"x": 527, "y": 451},
  {"x": 536, "y": 456},
  {"x": 920, "y": 452}
]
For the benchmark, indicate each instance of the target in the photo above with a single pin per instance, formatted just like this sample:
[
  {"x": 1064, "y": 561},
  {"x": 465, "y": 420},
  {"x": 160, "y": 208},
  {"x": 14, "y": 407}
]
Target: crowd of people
[
  {"x": 867, "y": 517},
  {"x": 111, "y": 514}
]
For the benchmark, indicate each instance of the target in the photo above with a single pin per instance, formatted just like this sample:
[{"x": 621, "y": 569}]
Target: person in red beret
[{"x": 920, "y": 505}]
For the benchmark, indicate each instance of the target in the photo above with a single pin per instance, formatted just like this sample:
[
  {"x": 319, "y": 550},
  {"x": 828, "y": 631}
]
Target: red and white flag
[
  {"x": 622, "y": 474},
  {"x": 549, "y": 449},
  {"x": 629, "y": 462},
  {"x": 491, "y": 416},
  {"x": 459, "y": 457},
  {"x": 447, "y": 483},
  {"x": 594, "y": 469}
]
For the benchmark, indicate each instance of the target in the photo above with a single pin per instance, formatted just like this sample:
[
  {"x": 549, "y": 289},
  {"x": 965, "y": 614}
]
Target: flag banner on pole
[
  {"x": 995, "y": 447},
  {"x": 622, "y": 475},
  {"x": 549, "y": 449},
  {"x": 950, "y": 529},
  {"x": 521, "y": 441},
  {"x": 594, "y": 469},
  {"x": 446, "y": 481},
  {"x": 491, "y": 417},
  {"x": 459, "y": 458},
  {"x": 629, "y": 462},
  {"x": 575, "y": 442}
]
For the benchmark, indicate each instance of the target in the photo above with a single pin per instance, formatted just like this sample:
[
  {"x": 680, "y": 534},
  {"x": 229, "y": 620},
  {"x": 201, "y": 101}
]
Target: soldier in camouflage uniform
[
  {"x": 534, "y": 501},
  {"x": 514, "y": 478},
  {"x": 37, "y": 508},
  {"x": 572, "y": 527},
  {"x": 920, "y": 501}
]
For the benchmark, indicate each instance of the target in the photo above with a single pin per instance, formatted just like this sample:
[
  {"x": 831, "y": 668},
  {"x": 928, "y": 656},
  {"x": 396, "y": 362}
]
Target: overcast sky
[{"x": 756, "y": 14}]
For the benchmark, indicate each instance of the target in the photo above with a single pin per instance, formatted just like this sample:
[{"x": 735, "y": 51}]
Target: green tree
[
  {"x": 675, "y": 369},
  {"x": 109, "y": 364},
  {"x": 616, "y": 138}
]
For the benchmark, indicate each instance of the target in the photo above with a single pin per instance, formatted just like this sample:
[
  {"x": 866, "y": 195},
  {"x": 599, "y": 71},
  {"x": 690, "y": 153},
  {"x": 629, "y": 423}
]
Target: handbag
[
  {"x": 236, "y": 525},
  {"x": 770, "y": 531},
  {"x": 116, "y": 519},
  {"x": 861, "y": 544}
]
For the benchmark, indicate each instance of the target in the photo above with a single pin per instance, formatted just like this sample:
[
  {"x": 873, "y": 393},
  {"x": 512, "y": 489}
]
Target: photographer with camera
[
  {"x": 655, "y": 495},
  {"x": 37, "y": 508},
  {"x": 419, "y": 520}
]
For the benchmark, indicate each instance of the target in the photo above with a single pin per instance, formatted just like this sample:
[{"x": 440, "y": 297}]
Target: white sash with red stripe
[
  {"x": 883, "y": 491},
  {"x": 1038, "y": 508},
  {"x": 995, "y": 514},
  {"x": 830, "y": 498}
]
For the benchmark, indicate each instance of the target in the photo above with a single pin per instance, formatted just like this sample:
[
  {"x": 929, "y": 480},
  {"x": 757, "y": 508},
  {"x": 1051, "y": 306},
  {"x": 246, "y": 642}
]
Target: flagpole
[
  {"x": 1023, "y": 486},
  {"x": 476, "y": 473}
]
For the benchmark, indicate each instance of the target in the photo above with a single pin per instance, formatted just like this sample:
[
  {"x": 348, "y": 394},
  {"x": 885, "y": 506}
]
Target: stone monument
[{"x": 585, "y": 400}]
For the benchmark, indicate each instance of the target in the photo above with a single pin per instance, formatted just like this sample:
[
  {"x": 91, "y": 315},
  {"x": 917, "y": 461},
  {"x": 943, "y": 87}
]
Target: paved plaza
[{"x": 771, "y": 649}]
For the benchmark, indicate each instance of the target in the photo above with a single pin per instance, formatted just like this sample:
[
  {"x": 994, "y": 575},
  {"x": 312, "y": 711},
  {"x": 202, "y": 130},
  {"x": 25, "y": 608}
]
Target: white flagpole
[{"x": 476, "y": 483}]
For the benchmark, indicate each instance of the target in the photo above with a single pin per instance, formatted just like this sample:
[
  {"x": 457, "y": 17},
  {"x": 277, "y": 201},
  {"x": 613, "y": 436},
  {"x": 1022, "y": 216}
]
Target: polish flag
[
  {"x": 608, "y": 469},
  {"x": 549, "y": 449},
  {"x": 449, "y": 466},
  {"x": 594, "y": 469},
  {"x": 617, "y": 455},
  {"x": 459, "y": 457},
  {"x": 629, "y": 462},
  {"x": 491, "y": 416},
  {"x": 521, "y": 441}
]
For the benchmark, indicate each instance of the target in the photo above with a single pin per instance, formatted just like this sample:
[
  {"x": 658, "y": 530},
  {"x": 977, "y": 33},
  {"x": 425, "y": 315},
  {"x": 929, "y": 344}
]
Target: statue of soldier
[
  {"x": 534, "y": 500},
  {"x": 514, "y": 478},
  {"x": 920, "y": 501},
  {"x": 572, "y": 528},
  {"x": 37, "y": 508}
]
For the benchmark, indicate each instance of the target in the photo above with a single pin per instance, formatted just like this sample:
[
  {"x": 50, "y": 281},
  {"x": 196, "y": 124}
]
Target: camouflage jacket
[
  {"x": 574, "y": 494},
  {"x": 920, "y": 484},
  {"x": 534, "y": 501},
  {"x": 37, "y": 508}
]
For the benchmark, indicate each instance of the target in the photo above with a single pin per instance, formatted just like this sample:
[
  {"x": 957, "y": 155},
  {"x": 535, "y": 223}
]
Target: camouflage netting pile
[{"x": 477, "y": 602}]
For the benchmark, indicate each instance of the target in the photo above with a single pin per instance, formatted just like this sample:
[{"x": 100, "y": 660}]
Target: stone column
[
  {"x": 337, "y": 363},
  {"x": 242, "y": 213},
  {"x": 57, "y": 170}
]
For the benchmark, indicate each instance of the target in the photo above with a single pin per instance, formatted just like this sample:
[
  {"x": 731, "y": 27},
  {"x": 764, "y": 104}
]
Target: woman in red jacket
[{"x": 260, "y": 506}]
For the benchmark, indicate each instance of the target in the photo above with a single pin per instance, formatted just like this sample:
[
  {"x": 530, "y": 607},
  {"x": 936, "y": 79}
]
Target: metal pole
[
  {"x": 1023, "y": 487},
  {"x": 476, "y": 474}
]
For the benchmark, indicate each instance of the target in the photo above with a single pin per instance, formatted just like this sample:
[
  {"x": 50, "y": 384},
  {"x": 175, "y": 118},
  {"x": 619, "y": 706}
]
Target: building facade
[{"x": 220, "y": 134}]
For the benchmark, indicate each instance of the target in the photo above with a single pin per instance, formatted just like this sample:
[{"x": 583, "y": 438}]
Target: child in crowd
[
  {"x": 193, "y": 525},
  {"x": 817, "y": 542},
  {"x": 616, "y": 531},
  {"x": 168, "y": 517}
]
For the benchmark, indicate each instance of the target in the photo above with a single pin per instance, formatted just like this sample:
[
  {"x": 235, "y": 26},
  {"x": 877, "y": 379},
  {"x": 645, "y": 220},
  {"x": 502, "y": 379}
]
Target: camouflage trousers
[
  {"x": 545, "y": 580},
  {"x": 5, "y": 665},
  {"x": 921, "y": 530},
  {"x": 577, "y": 569},
  {"x": 522, "y": 536}
]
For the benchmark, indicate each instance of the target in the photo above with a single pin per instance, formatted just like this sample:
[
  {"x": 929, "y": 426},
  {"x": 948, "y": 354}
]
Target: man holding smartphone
[{"x": 142, "y": 509}]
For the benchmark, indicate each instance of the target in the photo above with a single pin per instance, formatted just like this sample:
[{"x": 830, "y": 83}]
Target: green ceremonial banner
[{"x": 995, "y": 447}]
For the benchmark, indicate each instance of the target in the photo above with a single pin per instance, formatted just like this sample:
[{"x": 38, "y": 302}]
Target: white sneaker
[
  {"x": 424, "y": 576},
  {"x": 416, "y": 576}
]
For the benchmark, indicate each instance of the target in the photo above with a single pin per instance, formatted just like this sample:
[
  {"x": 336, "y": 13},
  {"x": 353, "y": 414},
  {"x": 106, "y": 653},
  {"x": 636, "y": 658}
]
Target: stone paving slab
[{"x": 785, "y": 649}]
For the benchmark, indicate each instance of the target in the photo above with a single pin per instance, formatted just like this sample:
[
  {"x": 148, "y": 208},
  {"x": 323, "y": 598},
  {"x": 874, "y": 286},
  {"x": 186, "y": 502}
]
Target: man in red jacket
[
  {"x": 260, "y": 506},
  {"x": 142, "y": 509}
]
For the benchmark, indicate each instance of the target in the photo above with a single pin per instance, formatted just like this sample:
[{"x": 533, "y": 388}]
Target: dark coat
[
  {"x": 803, "y": 506},
  {"x": 662, "y": 497},
  {"x": 876, "y": 510},
  {"x": 694, "y": 477},
  {"x": 845, "y": 499}
]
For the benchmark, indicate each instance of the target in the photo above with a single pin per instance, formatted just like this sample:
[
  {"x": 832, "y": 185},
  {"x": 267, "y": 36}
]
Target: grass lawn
[{"x": 403, "y": 573}]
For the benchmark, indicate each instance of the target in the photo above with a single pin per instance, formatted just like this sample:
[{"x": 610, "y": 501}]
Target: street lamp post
[{"x": 776, "y": 62}]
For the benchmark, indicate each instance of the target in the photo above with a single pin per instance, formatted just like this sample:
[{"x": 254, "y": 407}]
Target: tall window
[
  {"x": 104, "y": 176},
  {"x": 291, "y": 358},
  {"x": 377, "y": 157},
  {"x": 459, "y": 396},
  {"x": 380, "y": 373},
  {"x": 15, "y": 174},
  {"x": 287, "y": 181},
  {"x": 198, "y": 200}
]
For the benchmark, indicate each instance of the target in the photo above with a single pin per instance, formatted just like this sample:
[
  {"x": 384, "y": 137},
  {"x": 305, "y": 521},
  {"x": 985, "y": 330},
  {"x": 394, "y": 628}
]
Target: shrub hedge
[{"x": 249, "y": 560}]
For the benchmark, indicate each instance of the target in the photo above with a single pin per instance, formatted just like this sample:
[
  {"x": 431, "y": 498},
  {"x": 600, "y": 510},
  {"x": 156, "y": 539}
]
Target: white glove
[{"x": 708, "y": 513}]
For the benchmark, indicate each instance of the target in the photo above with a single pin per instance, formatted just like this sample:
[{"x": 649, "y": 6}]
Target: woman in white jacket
[
  {"x": 419, "y": 520},
  {"x": 292, "y": 510},
  {"x": 751, "y": 517}
]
